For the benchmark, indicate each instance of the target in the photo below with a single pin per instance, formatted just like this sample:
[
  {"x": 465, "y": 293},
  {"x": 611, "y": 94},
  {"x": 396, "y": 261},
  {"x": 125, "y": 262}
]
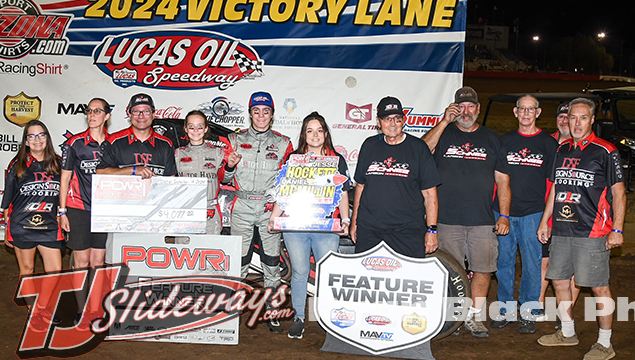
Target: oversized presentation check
[{"x": 158, "y": 205}]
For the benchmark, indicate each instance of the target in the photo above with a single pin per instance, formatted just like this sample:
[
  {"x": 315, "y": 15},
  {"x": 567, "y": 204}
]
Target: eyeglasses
[
  {"x": 96, "y": 111},
  {"x": 139, "y": 112},
  {"x": 196, "y": 128},
  {"x": 530, "y": 110},
  {"x": 394, "y": 118},
  {"x": 39, "y": 136}
]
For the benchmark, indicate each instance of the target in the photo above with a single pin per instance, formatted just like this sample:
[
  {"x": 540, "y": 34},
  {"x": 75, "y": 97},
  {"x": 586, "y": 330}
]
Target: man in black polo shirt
[
  {"x": 588, "y": 188},
  {"x": 529, "y": 157},
  {"x": 138, "y": 150},
  {"x": 470, "y": 161}
]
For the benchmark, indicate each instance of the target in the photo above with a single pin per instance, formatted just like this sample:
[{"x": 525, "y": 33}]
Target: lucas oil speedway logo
[
  {"x": 177, "y": 60},
  {"x": 380, "y": 301},
  {"x": 25, "y": 30}
]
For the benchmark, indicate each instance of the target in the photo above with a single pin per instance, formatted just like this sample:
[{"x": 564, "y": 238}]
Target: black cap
[
  {"x": 389, "y": 106},
  {"x": 140, "y": 99},
  {"x": 464, "y": 94},
  {"x": 563, "y": 108}
]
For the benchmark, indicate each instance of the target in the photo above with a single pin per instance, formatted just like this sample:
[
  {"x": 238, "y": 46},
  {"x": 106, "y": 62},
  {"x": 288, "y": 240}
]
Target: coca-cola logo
[
  {"x": 177, "y": 59},
  {"x": 350, "y": 156},
  {"x": 170, "y": 112}
]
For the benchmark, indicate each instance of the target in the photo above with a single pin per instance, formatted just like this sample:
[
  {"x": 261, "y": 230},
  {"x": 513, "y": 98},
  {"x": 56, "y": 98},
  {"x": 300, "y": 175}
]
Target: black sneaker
[
  {"x": 296, "y": 331},
  {"x": 274, "y": 326},
  {"x": 527, "y": 327},
  {"x": 499, "y": 324}
]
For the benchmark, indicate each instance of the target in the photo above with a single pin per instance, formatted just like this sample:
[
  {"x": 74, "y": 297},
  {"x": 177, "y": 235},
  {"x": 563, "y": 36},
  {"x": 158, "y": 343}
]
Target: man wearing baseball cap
[
  {"x": 470, "y": 161},
  {"x": 138, "y": 150},
  {"x": 562, "y": 122},
  {"x": 261, "y": 153},
  {"x": 396, "y": 193}
]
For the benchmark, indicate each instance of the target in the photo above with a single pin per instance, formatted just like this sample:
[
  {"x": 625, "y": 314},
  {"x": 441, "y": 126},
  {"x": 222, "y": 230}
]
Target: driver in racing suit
[{"x": 262, "y": 152}]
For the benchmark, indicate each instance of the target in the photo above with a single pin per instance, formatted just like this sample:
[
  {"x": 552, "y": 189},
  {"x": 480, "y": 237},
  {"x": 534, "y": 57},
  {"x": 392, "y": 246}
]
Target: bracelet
[
  {"x": 618, "y": 231},
  {"x": 504, "y": 216},
  {"x": 432, "y": 231},
  {"x": 432, "y": 227},
  {"x": 134, "y": 170},
  {"x": 346, "y": 220},
  {"x": 61, "y": 212}
]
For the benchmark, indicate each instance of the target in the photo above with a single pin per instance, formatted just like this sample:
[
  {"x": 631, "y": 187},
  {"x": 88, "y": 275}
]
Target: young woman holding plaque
[
  {"x": 315, "y": 138},
  {"x": 205, "y": 158},
  {"x": 30, "y": 203}
]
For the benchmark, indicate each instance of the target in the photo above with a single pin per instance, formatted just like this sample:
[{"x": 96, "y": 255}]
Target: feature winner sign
[
  {"x": 380, "y": 301},
  {"x": 309, "y": 188}
]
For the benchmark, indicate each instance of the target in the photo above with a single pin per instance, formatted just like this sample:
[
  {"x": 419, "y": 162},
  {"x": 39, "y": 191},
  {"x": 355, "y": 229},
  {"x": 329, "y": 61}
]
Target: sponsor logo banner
[
  {"x": 177, "y": 60},
  {"x": 407, "y": 297},
  {"x": 21, "y": 108},
  {"x": 25, "y": 30},
  {"x": 220, "y": 110}
]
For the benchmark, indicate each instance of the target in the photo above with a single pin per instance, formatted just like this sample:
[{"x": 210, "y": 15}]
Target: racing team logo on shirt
[
  {"x": 466, "y": 151},
  {"x": 388, "y": 167},
  {"x": 524, "y": 157}
]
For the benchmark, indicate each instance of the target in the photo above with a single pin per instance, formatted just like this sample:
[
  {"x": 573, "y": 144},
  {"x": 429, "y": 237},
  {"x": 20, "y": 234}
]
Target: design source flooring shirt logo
[
  {"x": 24, "y": 29},
  {"x": 177, "y": 60}
]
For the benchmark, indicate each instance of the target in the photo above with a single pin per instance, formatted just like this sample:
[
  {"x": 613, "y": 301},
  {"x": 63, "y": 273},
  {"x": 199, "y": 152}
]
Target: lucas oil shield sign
[{"x": 381, "y": 301}]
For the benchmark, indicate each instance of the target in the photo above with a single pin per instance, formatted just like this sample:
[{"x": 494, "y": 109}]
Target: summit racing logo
[
  {"x": 177, "y": 60},
  {"x": 25, "y": 30},
  {"x": 419, "y": 123}
]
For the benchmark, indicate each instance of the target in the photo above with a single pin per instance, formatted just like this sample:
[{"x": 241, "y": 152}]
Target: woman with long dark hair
[
  {"x": 31, "y": 197},
  {"x": 315, "y": 137}
]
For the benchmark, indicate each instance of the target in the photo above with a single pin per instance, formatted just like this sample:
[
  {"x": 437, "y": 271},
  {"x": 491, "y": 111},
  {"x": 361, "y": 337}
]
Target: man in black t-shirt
[
  {"x": 529, "y": 157},
  {"x": 588, "y": 205},
  {"x": 138, "y": 150},
  {"x": 396, "y": 194},
  {"x": 470, "y": 162}
]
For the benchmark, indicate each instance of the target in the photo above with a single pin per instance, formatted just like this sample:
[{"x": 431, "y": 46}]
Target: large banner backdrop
[{"x": 339, "y": 57}]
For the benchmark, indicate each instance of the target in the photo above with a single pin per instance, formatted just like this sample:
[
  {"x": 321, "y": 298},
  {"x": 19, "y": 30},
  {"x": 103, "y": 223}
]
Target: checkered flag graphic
[{"x": 245, "y": 64}]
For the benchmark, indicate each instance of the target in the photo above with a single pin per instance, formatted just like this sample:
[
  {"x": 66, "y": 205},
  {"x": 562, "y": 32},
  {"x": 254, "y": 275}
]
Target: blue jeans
[
  {"x": 299, "y": 246},
  {"x": 522, "y": 234}
]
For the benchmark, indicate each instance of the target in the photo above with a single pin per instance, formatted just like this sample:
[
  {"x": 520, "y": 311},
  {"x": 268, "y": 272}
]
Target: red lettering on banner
[{"x": 163, "y": 258}]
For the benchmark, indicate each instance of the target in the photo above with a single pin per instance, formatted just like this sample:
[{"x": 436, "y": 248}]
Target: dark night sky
[{"x": 558, "y": 18}]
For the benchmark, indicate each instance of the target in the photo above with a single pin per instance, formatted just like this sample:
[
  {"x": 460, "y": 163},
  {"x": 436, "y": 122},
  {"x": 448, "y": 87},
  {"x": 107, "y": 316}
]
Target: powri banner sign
[{"x": 337, "y": 57}]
